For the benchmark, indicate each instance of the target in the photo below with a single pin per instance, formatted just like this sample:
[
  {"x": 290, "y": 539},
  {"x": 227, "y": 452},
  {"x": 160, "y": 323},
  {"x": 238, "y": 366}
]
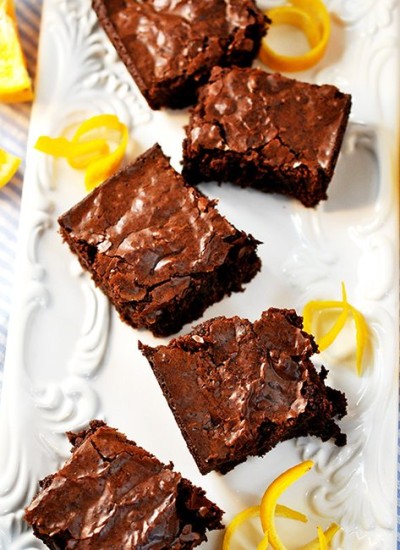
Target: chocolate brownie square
[
  {"x": 157, "y": 247},
  {"x": 170, "y": 47},
  {"x": 113, "y": 494},
  {"x": 238, "y": 388},
  {"x": 266, "y": 131}
]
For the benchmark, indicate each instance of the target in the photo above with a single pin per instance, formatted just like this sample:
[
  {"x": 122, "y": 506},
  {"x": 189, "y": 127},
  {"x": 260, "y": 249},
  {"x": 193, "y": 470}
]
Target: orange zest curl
[
  {"x": 252, "y": 512},
  {"x": 312, "y": 18},
  {"x": 90, "y": 153},
  {"x": 269, "y": 509},
  {"x": 270, "y": 498},
  {"x": 324, "y": 538},
  {"x": 316, "y": 306}
]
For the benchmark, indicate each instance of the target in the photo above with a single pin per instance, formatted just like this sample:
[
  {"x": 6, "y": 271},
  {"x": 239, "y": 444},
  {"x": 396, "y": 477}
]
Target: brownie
[
  {"x": 157, "y": 247},
  {"x": 170, "y": 47},
  {"x": 238, "y": 388},
  {"x": 113, "y": 494},
  {"x": 263, "y": 130}
]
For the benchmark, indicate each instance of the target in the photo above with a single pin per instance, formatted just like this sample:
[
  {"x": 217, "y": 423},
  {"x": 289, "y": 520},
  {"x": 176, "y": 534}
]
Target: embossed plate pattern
[{"x": 70, "y": 359}]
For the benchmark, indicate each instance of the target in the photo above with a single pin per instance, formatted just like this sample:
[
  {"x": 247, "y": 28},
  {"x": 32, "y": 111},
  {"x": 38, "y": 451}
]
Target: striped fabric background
[{"x": 14, "y": 120}]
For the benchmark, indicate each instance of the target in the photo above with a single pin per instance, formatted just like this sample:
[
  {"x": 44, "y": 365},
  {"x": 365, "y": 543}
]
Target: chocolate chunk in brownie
[
  {"x": 238, "y": 388},
  {"x": 266, "y": 131},
  {"x": 157, "y": 247},
  {"x": 113, "y": 494},
  {"x": 170, "y": 47}
]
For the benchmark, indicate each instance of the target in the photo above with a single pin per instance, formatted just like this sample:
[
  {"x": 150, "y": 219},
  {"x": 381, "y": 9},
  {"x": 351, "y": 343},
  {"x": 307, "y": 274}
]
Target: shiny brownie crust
[
  {"x": 170, "y": 47},
  {"x": 238, "y": 388},
  {"x": 158, "y": 248},
  {"x": 263, "y": 130},
  {"x": 113, "y": 494}
]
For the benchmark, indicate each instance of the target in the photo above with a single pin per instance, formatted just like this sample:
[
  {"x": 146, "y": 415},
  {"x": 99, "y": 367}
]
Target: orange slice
[
  {"x": 8, "y": 166},
  {"x": 15, "y": 84}
]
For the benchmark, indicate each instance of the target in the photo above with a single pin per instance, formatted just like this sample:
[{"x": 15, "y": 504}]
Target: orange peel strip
[
  {"x": 269, "y": 500},
  {"x": 312, "y": 18},
  {"x": 237, "y": 521},
  {"x": 62, "y": 147},
  {"x": 93, "y": 155},
  {"x": 269, "y": 508},
  {"x": 252, "y": 512},
  {"x": 361, "y": 337},
  {"x": 328, "y": 535},
  {"x": 109, "y": 121},
  {"x": 288, "y": 513},
  {"x": 323, "y": 544},
  {"x": 101, "y": 169},
  {"x": 263, "y": 545},
  {"x": 326, "y": 340},
  {"x": 318, "y": 305}
]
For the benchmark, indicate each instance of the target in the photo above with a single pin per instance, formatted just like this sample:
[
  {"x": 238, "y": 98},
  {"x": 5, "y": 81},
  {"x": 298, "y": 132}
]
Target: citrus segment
[
  {"x": 8, "y": 166},
  {"x": 15, "y": 84}
]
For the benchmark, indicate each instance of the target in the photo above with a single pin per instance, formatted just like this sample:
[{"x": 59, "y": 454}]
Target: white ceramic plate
[{"x": 70, "y": 359}]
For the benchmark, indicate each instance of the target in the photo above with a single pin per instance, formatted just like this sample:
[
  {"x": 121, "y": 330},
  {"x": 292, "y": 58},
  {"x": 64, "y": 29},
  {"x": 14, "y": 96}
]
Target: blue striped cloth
[{"x": 14, "y": 121}]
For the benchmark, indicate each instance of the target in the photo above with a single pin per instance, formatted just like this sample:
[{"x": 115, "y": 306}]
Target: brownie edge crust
[
  {"x": 170, "y": 47},
  {"x": 238, "y": 388},
  {"x": 158, "y": 248},
  {"x": 112, "y": 494}
]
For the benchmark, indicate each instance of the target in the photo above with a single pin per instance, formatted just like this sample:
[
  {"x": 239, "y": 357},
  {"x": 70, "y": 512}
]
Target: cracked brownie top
[
  {"x": 238, "y": 388},
  {"x": 247, "y": 110},
  {"x": 170, "y": 38},
  {"x": 113, "y": 494},
  {"x": 266, "y": 131},
  {"x": 170, "y": 46},
  {"x": 144, "y": 233}
]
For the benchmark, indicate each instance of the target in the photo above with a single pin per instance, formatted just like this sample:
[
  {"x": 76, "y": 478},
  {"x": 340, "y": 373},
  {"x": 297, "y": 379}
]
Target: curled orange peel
[
  {"x": 86, "y": 152},
  {"x": 237, "y": 521},
  {"x": 252, "y": 512},
  {"x": 263, "y": 545},
  {"x": 312, "y": 18},
  {"x": 323, "y": 544},
  {"x": 269, "y": 509},
  {"x": 270, "y": 498},
  {"x": 62, "y": 147},
  {"x": 103, "y": 167},
  {"x": 324, "y": 538},
  {"x": 316, "y": 306}
]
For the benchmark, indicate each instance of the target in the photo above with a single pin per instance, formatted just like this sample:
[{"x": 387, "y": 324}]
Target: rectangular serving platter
[{"x": 70, "y": 359}]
